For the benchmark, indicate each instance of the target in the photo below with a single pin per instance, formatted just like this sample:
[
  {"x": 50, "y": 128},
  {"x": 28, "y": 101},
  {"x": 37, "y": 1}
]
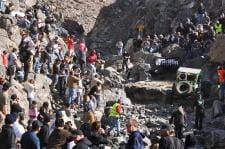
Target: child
[{"x": 33, "y": 111}]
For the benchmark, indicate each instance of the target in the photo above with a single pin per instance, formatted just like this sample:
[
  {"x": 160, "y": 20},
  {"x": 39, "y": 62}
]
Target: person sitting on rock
[
  {"x": 44, "y": 111},
  {"x": 15, "y": 105},
  {"x": 99, "y": 63}
]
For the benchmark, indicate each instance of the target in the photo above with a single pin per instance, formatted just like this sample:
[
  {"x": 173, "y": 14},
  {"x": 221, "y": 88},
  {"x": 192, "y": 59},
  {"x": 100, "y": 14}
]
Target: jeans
[
  {"x": 115, "y": 123},
  {"x": 222, "y": 89},
  {"x": 198, "y": 120},
  {"x": 56, "y": 80},
  {"x": 120, "y": 51},
  {"x": 179, "y": 131},
  {"x": 71, "y": 95},
  {"x": 200, "y": 18},
  {"x": 125, "y": 65}
]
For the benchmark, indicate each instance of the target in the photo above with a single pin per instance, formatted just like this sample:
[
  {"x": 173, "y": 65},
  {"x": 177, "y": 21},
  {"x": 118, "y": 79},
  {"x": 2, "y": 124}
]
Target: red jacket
[
  {"x": 5, "y": 60},
  {"x": 92, "y": 59},
  {"x": 221, "y": 75},
  {"x": 70, "y": 43},
  {"x": 81, "y": 46}
]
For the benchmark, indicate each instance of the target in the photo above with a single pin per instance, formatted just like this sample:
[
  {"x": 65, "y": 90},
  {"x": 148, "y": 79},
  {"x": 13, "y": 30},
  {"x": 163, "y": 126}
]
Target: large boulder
[
  {"x": 112, "y": 78},
  {"x": 140, "y": 72},
  {"x": 14, "y": 34},
  {"x": 30, "y": 3},
  {"x": 215, "y": 139},
  {"x": 113, "y": 94},
  {"x": 18, "y": 89},
  {"x": 144, "y": 57},
  {"x": 216, "y": 52},
  {"x": 145, "y": 92},
  {"x": 174, "y": 50},
  {"x": 7, "y": 21},
  {"x": 6, "y": 42},
  {"x": 42, "y": 89}
]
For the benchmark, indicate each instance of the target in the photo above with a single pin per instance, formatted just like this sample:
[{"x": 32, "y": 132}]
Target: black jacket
[
  {"x": 171, "y": 143},
  {"x": 98, "y": 139},
  {"x": 8, "y": 138},
  {"x": 83, "y": 144},
  {"x": 43, "y": 135}
]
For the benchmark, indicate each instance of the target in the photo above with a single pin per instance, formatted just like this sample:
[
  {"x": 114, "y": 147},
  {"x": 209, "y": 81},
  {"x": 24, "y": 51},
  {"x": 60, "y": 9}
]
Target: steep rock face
[
  {"x": 217, "y": 50},
  {"x": 118, "y": 20},
  {"x": 84, "y": 12},
  {"x": 147, "y": 91}
]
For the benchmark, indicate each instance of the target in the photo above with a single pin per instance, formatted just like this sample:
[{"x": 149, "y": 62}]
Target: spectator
[
  {"x": 30, "y": 88},
  {"x": 44, "y": 111},
  {"x": 97, "y": 136},
  {"x": 71, "y": 86},
  {"x": 44, "y": 132},
  {"x": 178, "y": 119},
  {"x": 70, "y": 44},
  {"x": 201, "y": 13},
  {"x": 126, "y": 58},
  {"x": 82, "y": 52},
  {"x": 89, "y": 120},
  {"x": 168, "y": 139},
  {"x": 221, "y": 79},
  {"x": 12, "y": 64},
  {"x": 135, "y": 138},
  {"x": 92, "y": 58},
  {"x": 56, "y": 73},
  {"x": 29, "y": 139},
  {"x": 199, "y": 109},
  {"x": 81, "y": 141},
  {"x": 222, "y": 21},
  {"x": 15, "y": 105},
  {"x": 119, "y": 47},
  {"x": 218, "y": 27},
  {"x": 7, "y": 135},
  {"x": 4, "y": 99},
  {"x": 18, "y": 128},
  {"x": 33, "y": 111},
  {"x": 59, "y": 135},
  {"x": 5, "y": 59},
  {"x": 114, "y": 115}
]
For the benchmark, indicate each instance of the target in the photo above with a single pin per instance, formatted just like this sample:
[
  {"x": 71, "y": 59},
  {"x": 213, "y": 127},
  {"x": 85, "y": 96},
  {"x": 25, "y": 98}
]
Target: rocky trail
[{"x": 146, "y": 92}]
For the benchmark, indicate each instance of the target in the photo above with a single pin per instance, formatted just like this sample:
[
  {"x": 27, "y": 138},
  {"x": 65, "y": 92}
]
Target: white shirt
[
  {"x": 18, "y": 129},
  {"x": 30, "y": 90}
]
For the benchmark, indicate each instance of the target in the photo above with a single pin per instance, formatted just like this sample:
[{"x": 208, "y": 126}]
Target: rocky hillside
[{"x": 106, "y": 21}]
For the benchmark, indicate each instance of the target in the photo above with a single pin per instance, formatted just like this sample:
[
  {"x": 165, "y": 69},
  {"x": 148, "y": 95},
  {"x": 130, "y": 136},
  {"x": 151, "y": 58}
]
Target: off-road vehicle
[{"x": 187, "y": 81}]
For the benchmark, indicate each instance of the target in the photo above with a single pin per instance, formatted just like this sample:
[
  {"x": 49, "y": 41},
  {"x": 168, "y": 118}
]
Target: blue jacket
[
  {"x": 135, "y": 141},
  {"x": 30, "y": 140}
]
